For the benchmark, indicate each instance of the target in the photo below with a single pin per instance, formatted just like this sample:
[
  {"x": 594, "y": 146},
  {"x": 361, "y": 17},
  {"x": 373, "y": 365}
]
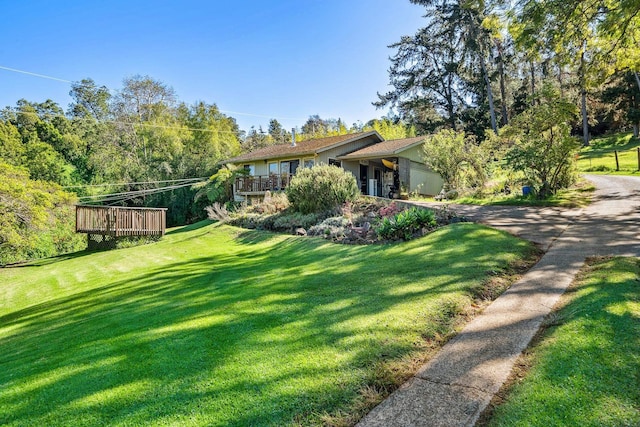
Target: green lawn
[
  {"x": 599, "y": 156},
  {"x": 586, "y": 369},
  {"x": 577, "y": 196},
  {"x": 216, "y": 325}
]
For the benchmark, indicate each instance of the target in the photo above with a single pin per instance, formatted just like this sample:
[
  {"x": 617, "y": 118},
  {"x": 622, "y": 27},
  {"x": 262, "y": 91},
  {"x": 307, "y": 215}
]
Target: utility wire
[
  {"x": 35, "y": 74},
  {"x": 119, "y": 197},
  {"x": 134, "y": 183},
  {"x": 44, "y": 76}
]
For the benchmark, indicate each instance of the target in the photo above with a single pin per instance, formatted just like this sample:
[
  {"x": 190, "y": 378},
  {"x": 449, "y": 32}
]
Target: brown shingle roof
[
  {"x": 311, "y": 146},
  {"x": 386, "y": 148}
]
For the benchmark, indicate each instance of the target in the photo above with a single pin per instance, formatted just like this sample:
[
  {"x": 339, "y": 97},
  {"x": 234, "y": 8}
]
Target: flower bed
[{"x": 365, "y": 221}]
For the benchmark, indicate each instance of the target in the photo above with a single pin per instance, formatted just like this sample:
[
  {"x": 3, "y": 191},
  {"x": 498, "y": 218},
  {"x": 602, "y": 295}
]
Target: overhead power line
[
  {"x": 128, "y": 195},
  {"x": 44, "y": 76},
  {"x": 119, "y": 184},
  {"x": 35, "y": 74}
]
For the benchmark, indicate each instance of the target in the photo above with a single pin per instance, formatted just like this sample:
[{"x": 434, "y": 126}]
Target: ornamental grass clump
[{"x": 321, "y": 188}]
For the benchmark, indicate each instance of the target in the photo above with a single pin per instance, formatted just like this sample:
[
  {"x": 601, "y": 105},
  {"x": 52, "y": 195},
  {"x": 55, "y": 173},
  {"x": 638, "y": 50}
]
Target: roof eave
[
  {"x": 380, "y": 153},
  {"x": 419, "y": 142},
  {"x": 347, "y": 141},
  {"x": 275, "y": 156}
]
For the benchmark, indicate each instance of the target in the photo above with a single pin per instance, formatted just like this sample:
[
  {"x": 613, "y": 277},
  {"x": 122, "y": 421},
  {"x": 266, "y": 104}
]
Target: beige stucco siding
[{"x": 424, "y": 181}]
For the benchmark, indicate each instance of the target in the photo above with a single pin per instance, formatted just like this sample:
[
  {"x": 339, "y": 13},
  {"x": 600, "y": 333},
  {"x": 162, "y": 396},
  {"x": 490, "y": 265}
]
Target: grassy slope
[
  {"x": 219, "y": 326},
  {"x": 599, "y": 157},
  {"x": 586, "y": 370}
]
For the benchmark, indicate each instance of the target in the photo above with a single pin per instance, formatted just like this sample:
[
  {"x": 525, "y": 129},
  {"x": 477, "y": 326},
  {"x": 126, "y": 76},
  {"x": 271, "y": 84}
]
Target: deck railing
[
  {"x": 262, "y": 183},
  {"x": 120, "y": 221}
]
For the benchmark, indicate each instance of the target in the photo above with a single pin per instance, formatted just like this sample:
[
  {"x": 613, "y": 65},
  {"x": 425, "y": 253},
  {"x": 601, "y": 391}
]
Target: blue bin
[{"x": 526, "y": 190}]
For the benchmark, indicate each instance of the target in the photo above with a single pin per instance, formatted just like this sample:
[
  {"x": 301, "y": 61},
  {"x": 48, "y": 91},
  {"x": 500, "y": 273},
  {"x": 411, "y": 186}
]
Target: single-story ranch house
[{"x": 379, "y": 166}]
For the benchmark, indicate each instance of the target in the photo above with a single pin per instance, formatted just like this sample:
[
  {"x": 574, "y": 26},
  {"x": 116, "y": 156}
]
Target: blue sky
[{"x": 281, "y": 58}]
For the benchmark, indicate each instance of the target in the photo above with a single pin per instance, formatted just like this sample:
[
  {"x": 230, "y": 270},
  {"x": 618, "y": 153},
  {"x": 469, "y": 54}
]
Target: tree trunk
[
  {"x": 585, "y": 117},
  {"x": 636, "y": 126},
  {"x": 560, "y": 81},
  {"x": 450, "y": 106},
  {"x": 492, "y": 110},
  {"x": 503, "y": 90},
  {"x": 533, "y": 81},
  {"x": 583, "y": 95}
]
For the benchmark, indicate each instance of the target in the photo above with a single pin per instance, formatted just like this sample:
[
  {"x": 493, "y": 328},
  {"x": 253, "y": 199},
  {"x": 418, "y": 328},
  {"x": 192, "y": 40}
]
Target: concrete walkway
[{"x": 459, "y": 382}]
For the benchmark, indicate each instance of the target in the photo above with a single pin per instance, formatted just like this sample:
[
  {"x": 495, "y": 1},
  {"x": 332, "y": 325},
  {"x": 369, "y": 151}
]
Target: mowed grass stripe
[
  {"x": 585, "y": 370},
  {"x": 220, "y": 326}
]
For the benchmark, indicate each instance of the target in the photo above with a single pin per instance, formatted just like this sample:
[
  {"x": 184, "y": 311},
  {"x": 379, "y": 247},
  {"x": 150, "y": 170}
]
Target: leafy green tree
[
  {"x": 36, "y": 217},
  {"x": 447, "y": 64},
  {"x": 45, "y": 163},
  {"x": 622, "y": 98},
  {"x": 89, "y": 100},
  {"x": 569, "y": 29},
  {"x": 48, "y": 142},
  {"x": 142, "y": 98},
  {"x": 456, "y": 157},
  {"x": 425, "y": 72},
  {"x": 219, "y": 187},
  {"x": 89, "y": 115},
  {"x": 214, "y": 138},
  {"x": 256, "y": 139},
  {"x": 541, "y": 143},
  {"x": 315, "y": 127},
  {"x": 390, "y": 130},
  {"x": 11, "y": 147},
  {"x": 277, "y": 133}
]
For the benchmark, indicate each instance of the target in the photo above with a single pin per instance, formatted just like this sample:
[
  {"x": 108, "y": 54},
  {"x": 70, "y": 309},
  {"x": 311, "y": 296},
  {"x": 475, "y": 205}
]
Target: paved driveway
[
  {"x": 610, "y": 225},
  {"x": 454, "y": 387}
]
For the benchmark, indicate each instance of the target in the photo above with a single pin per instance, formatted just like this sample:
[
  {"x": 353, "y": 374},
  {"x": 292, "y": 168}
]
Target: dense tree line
[
  {"x": 478, "y": 63},
  {"x": 139, "y": 133}
]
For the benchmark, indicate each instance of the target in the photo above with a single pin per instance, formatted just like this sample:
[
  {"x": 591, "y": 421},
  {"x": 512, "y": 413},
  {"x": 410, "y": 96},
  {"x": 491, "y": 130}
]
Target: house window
[
  {"x": 334, "y": 162},
  {"x": 290, "y": 166},
  {"x": 293, "y": 166},
  {"x": 273, "y": 168},
  {"x": 308, "y": 163},
  {"x": 284, "y": 167},
  {"x": 251, "y": 169}
]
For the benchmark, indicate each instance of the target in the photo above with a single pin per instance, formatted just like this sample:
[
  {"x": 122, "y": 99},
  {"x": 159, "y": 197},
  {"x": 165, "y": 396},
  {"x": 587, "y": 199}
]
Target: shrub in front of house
[
  {"x": 321, "y": 188},
  {"x": 406, "y": 224}
]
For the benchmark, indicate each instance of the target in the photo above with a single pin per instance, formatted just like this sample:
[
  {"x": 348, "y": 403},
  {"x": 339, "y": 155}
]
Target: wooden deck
[
  {"x": 120, "y": 221},
  {"x": 262, "y": 183}
]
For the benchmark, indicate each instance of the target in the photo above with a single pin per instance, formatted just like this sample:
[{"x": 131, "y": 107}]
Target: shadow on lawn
[
  {"x": 585, "y": 358},
  {"x": 199, "y": 338}
]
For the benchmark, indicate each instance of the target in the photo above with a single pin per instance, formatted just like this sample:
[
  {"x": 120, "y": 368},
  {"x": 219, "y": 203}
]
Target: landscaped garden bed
[{"x": 367, "y": 220}]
